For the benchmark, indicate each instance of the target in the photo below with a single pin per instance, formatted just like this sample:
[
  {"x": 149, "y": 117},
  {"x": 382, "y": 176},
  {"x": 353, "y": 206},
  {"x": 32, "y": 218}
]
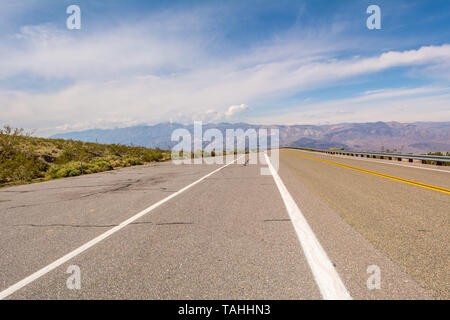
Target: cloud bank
[{"x": 159, "y": 70}]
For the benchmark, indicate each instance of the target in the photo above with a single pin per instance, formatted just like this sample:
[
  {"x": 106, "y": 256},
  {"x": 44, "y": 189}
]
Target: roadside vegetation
[
  {"x": 25, "y": 159},
  {"x": 447, "y": 154},
  {"x": 438, "y": 154}
]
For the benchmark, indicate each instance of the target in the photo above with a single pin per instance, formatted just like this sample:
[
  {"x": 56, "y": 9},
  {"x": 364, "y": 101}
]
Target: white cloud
[
  {"x": 210, "y": 115},
  {"x": 402, "y": 105},
  {"x": 236, "y": 109},
  {"x": 156, "y": 70}
]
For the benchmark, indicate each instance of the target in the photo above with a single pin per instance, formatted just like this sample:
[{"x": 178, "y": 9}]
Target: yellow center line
[{"x": 415, "y": 183}]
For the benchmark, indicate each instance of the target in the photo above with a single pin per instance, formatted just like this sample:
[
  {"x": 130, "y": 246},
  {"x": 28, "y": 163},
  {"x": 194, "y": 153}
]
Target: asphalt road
[{"x": 229, "y": 235}]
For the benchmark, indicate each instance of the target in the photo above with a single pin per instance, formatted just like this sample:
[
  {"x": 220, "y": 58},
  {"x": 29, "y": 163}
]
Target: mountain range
[{"x": 417, "y": 137}]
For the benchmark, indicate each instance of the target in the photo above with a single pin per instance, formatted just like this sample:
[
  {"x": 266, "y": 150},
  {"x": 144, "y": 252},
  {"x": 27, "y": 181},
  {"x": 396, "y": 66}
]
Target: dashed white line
[
  {"x": 330, "y": 284},
  {"x": 84, "y": 247}
]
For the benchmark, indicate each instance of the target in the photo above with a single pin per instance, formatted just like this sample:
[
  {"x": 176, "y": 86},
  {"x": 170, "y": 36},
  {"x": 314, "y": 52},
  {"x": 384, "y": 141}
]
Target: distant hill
[
  {"x": 418, "y": 137},
  {"x": 25, "y": 159}
]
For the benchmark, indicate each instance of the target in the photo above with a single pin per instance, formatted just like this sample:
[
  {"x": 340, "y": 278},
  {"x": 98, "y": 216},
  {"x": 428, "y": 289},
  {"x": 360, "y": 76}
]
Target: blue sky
[{"x": 271, "y": 62}]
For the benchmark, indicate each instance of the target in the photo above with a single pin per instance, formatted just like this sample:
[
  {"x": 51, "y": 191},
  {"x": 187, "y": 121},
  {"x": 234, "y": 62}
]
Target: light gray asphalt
[
  {"x": 228, "y": 237},
  {"x": 41, "y": 222},
  {"x": 221, "y": 239},
  {"x": 407, "y": 224}
]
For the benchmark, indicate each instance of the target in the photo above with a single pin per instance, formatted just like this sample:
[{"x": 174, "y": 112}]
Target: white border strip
[
  {"x": 330, "y": 284},
  {"x": 84, "y": 247}
]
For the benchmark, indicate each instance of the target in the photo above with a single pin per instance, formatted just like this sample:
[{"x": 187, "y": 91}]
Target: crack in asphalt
[
  {"x": 105, "y": 191},
  {"x": 119, "y": 188},
  {"x": 58, "y": 188},
  {"x": 96, "y": 225},
  {"x": 65, "y": 225},
  {"x": 171, "y": 223}
]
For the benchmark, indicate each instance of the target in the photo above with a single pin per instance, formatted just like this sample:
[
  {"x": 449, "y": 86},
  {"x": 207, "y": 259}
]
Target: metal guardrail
[{"x": 411, "y": 157}]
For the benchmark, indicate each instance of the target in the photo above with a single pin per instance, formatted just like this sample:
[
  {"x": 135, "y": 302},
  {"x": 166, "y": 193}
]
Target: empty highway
[{"x": 225, "y": 231}]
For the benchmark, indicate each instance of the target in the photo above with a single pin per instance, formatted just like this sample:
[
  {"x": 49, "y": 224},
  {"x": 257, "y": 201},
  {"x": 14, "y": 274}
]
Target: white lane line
[
  {"x": 330, "y": 284},
  {"x": 101, "y": 237}
]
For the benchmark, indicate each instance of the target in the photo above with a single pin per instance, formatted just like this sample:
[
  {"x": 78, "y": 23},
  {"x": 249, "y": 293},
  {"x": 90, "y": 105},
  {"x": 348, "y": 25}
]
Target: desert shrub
[
  {"x": 76, "y": 168},
  {"x": 20, "y": 167},
  {"x": 97, "y": 165},
  {"x": 69, "y": 169},
  {"x": 116, "y": 163},
  {"x": 152, "y": 155},
  {"x": 17, "y": 163},
  {"x": 131, "y": 161},
  {"x": 24, "y": 158}
]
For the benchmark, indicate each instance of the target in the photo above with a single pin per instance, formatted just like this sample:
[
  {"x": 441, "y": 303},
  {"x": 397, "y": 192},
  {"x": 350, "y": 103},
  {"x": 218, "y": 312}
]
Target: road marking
[
  {"x": 99, "y": 238},
  {"x": 382, "y": 161},
  {"x": 415, "y": 183},
  {"x": 330, "y": 284}
]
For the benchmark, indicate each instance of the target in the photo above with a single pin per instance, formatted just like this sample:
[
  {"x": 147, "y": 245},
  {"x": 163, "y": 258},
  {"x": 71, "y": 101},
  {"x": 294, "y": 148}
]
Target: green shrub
[
  {"x": 132, "y": 161},
  {"x": 70, "y": 169},
  {"x": 24, "y": 158},
  {"x": 152, "y": 155},
  {"x": 97, "y": 165},
  {"x": 17, "y": 161}
]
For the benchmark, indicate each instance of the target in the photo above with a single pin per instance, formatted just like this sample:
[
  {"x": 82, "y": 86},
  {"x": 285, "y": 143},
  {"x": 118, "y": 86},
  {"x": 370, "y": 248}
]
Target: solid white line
[
  {"x": 330, "y": 284},
  {"x": 101, "y": 237}
]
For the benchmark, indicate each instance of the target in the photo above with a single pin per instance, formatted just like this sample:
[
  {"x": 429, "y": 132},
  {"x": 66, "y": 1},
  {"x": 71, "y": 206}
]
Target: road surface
[{"x": 166, "y": 231}]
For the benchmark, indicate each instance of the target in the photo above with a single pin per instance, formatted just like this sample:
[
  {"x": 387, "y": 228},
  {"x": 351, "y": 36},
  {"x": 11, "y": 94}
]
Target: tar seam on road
[
  {"x": 330, "y": 284},
  {"x": 415, "y": 183},
  {"x": 67, "y": 257}
]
